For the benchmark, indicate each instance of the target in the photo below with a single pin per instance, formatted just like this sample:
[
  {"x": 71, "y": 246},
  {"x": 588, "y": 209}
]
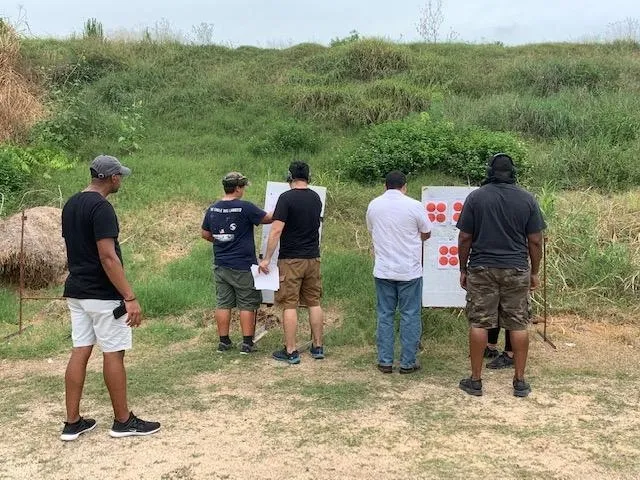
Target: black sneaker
[
  {"x": 521, "y": 388},
  {"x": 133, "y": 427},
  {"x": 491, "y": 352},
  {"x": 501, "y": 361},
  {"x": 71, "y": 431},
  {"x": 385, "y": 368},
  {"x": 246, "y": 349},
  {"x": 406, "y": 370},
  {"x": 292, "y": 358},
  {"x": 224, "y": 347},
  {"x": 472, "y": 387},
  {"x": 317, "y": 352}
]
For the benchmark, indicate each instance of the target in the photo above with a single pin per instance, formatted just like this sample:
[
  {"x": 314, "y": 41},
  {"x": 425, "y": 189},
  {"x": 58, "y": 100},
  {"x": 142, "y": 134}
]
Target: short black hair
[
  {"x": 299, "y": 171},
  {"x": 395, "y": 180}
]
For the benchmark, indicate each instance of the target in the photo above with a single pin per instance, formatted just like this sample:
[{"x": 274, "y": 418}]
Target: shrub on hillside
[
  {"x": 361, "y": 60},
  {"x": 19, "y": 165},
  {"x": 545, "y": 77},
  {"x": 285, "y": 137},
  {"x": 420, "y": 145}
]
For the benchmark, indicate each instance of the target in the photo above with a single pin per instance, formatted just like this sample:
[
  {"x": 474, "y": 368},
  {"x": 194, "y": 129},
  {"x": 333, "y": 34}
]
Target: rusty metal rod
[{"x": 21, "y": 260}]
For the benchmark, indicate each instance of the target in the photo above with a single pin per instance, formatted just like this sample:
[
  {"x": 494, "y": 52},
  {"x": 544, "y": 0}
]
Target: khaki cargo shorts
[
  {"x": 300, "y": 282},
  {"x": 498, "y": 297}
]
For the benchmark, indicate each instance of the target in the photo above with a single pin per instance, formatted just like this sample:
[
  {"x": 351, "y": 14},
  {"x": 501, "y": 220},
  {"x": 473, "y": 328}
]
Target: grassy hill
[{"x": 181, "y": 116}]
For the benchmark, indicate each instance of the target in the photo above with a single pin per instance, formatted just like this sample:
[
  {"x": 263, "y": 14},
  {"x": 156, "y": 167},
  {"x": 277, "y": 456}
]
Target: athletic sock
[
  {"x": 247, "y": 339},
  {"x": 225, "y": 339}
]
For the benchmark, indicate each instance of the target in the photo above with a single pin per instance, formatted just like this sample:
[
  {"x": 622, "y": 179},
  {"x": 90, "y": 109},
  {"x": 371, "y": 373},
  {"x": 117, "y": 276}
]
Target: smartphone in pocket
[{"x": 120, "y": 310}]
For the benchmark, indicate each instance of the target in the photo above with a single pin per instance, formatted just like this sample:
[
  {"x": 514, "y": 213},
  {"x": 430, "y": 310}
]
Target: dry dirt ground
[{"x": 340, "y": 418}]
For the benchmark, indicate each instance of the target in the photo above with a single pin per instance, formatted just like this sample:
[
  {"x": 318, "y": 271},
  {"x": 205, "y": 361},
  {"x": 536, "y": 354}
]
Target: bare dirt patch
[{"x": 260, "y": 419}]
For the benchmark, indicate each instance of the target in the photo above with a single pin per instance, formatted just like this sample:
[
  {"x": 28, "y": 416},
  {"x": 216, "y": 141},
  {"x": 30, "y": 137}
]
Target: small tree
[
  {"x": 431, "y": 21},
  {"x": 93, "y": 30},
  {"x": 627, "y": 30},
  {"x": 203, "y": 33}
]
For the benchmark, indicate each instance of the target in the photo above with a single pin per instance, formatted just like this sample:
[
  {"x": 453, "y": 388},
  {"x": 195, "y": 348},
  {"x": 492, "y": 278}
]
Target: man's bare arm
[
  {"x": 113, "y": 268},
  {"x": 274, "y": 237},
  {"x": 464, "y": 248},
  {"x": 535, "y": 241},
  {"x": 207, "y": 235},
  {"x": 268, "y": 218},
  {"x": 425, "y": 236}
]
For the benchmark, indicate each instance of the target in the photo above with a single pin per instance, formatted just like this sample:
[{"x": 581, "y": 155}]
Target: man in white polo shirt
[{"x": 398, "y": 226}]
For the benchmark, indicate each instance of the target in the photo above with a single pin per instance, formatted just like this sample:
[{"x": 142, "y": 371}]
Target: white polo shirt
[{"x": 395, "y": 222}]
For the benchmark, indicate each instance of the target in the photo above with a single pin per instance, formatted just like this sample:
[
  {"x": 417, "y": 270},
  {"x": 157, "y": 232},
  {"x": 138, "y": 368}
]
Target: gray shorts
[{"x": 234, "y": 288}]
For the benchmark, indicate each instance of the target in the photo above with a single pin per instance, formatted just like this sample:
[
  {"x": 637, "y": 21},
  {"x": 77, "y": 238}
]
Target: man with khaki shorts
[
  {"x": 296, "y": 225},
  {"x": 102, "y": 304},
  {"x": 500, "y": 248}
]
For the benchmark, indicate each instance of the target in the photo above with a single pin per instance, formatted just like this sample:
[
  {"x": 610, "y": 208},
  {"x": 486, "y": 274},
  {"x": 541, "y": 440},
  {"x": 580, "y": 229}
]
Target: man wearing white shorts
[{"x": 102, "y": 304}]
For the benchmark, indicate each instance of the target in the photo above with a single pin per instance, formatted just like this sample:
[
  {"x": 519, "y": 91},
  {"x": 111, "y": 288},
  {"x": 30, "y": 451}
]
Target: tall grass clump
[
  {"x": 288, "y": 137},
  {"x": 20, "y": 106},
  {"x": 421, "y": 145},
  {"x": 365, "y": 59},
  {"x": 593, "y": 252}
]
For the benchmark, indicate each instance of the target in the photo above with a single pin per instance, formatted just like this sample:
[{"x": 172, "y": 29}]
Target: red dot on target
[
  {"x": 443, "y": 250},
  {"x": 457, "y": 206},
  {"x": 453, "y": 250},
  {"x": 432, "y": 217},
  {"x": 431, "y": 207},
  {"x": 441, "y": 217},
  {"x": 456, "y": 216},
  {"x": 453, "y": 261},
  {"x": 441, "y": 207},
  {"x": 443, "y": 261}
]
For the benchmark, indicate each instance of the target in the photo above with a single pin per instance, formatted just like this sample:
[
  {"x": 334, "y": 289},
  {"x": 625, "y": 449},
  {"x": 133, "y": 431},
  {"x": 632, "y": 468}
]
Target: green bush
[
  {"x": 366, "y": 59},
  {"x": 421, "y": 145},
  {"x": 286, "y": 137},
  {"x": 19, "y": 165}
]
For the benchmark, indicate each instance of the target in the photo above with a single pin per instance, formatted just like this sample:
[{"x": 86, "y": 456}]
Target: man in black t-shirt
[
  {"x": 296, "y": 225},
  {"x": 102, "y": 304},
  {"x": 500, "y": 248},
  {"x": 228, "y": 224}
]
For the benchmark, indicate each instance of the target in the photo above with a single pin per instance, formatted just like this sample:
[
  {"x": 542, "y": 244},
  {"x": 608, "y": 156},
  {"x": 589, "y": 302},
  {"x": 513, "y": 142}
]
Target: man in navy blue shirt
[{"x": 228, "y": 224}]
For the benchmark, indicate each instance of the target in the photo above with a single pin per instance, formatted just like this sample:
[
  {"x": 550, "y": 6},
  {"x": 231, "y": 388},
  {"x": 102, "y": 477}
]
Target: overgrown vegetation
[{"x": 186, "y": 114}]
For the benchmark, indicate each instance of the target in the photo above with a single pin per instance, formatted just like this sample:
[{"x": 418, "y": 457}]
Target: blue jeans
[{"x": 407, "y": 297}]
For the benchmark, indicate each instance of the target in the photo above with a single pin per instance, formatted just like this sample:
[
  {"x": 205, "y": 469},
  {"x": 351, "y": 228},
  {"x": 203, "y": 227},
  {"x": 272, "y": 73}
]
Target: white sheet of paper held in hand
[{"x": 266, "y": 281}]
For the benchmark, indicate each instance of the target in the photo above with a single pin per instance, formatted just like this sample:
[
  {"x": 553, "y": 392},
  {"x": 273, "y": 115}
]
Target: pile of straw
[
  {"x": 19, "y": 106},
  {"x": 45, "y": 256}
]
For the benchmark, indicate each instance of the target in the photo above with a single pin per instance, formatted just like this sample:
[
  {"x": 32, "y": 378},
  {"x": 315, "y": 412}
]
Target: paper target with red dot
[
  {"x": 448, "y": 256},
  {"x": 437, "y": 211},
  {"x": 456, "y": 209}
]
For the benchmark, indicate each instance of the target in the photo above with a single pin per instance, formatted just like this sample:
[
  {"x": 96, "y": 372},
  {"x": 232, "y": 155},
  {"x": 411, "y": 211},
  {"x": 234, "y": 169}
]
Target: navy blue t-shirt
[
  {"x": 231, "y": 223},
  {"x": 500, "y": 216}
]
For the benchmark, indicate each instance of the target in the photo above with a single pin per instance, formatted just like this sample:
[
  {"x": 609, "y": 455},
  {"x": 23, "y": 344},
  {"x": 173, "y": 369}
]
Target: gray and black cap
[{"x": 104, "y": 166}]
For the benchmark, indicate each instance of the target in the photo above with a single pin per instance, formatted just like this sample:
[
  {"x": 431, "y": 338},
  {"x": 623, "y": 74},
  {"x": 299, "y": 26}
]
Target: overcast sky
[{"x": 277, "y": 23}]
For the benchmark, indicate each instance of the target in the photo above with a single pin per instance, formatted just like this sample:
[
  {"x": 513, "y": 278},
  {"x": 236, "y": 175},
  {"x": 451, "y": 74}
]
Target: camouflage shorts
[{"x": 498, "y": 297}]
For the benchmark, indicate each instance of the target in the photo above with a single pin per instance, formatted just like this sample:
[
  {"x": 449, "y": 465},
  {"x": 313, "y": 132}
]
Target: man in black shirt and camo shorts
[{"x": 500, "y": 232}]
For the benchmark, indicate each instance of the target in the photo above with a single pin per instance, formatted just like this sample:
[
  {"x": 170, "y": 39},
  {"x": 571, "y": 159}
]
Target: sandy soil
[{"x": 581, "y": 422}]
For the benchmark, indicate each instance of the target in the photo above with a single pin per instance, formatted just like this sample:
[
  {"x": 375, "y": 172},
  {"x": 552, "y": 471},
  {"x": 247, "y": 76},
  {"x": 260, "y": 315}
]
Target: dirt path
[{"x": 340, "y": 418}]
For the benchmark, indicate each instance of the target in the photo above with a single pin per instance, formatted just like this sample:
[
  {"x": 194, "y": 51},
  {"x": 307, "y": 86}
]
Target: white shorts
[{"x": 92, "y": 322}]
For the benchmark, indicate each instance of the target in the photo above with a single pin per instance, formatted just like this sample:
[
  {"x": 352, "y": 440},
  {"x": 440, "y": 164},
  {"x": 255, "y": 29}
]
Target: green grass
[{"x": 205, "y": 109}]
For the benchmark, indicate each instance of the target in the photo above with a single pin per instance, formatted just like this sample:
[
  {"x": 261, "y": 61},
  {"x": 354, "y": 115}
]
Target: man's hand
[
  {"x": 263, "y": 266},
  {"x": 463, "y": 280},
  {"x": 535, "y": 281},
  {"x": 134, "y": 313}
]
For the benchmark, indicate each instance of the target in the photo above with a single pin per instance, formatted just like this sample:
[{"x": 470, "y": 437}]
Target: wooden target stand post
[
  {"x": 545, "y": 317},
  {"x": 21, "y": 288}
]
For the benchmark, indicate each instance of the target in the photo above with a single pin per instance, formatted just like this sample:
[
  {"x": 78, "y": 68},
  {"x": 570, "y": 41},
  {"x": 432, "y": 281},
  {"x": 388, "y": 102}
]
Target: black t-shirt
[
  {"x": 300, "y": 210},
  {"x": 500, "y": 216},
  {"x": 231, "y": 223},
  {"x": 86, "y": 218}
]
